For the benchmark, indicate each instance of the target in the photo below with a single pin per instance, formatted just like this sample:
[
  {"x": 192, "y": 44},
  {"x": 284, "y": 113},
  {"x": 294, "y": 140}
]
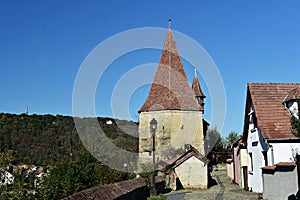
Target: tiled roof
[
  {"x": 175, "y": 162},
  {"x": 293, "y": 94},
  {"x": 170, "y": 89},
  {"x": 109, "y": 191},
  {"x": 272, "y": 119},
  {"x": 285, "y": 164},
  {"x": 196, "y": 88},
  {"x": 279, "y": 165}
]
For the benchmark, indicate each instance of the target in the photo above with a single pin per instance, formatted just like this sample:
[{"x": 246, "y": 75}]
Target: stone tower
[{"x": 176, "y": 106}]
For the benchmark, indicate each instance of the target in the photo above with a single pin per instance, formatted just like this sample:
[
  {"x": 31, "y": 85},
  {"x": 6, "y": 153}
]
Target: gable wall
[{"x": 192, "y": 173}]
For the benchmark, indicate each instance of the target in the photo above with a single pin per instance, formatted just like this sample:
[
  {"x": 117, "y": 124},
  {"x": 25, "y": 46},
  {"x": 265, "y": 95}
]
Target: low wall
[
  {"x": 280, "y": 181},
  {"x": 125, "y": 190}
]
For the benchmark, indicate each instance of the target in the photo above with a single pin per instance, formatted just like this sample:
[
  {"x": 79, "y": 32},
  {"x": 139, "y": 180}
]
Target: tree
[
  {"x": 231, "y": 138},
  {"x": 6, "y": 158},
  {"x": 214, "y": 139}
]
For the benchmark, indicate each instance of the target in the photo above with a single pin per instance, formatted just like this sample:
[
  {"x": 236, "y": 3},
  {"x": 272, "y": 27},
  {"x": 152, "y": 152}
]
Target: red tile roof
[
  {"x": 281, "y": 164},
  {"x": 286, "y": 164},
  {"x": 196, "y": 88},
  {"x": 272, "y": 119},
  {"x": 109, "y": 191},
  {"x": 293, "y": 94},
  {"x": 170, "y": 89},
  {"x": 269, "y": 168},
  {"x": 175, "y": 162}
]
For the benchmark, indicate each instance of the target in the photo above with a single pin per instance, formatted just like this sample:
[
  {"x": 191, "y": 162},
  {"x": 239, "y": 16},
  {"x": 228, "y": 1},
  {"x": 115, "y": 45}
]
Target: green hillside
[{"x": 48, "y": 139}]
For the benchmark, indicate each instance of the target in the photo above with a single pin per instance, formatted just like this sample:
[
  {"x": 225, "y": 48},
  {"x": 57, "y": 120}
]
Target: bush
[{"x": 160, "y": 197}]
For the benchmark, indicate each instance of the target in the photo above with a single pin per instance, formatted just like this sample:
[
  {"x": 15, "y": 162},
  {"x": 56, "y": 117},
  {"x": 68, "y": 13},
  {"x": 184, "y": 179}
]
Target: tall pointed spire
[
  {"x": 199, "y": 95},
  {"x": 170, "y": 89}
]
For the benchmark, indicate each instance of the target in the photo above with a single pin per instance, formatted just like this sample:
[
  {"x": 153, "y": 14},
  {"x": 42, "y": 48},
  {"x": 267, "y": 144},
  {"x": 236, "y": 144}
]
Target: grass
[{"x": 159, "y": 197}]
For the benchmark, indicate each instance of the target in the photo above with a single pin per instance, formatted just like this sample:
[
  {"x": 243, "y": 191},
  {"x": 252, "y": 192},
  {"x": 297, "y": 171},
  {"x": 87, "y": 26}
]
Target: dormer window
[{"x": 291, "y": 102}]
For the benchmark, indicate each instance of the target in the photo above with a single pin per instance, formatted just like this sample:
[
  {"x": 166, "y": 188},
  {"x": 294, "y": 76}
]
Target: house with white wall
[
  {"x": 267, "y": 129},
  {"x": 188, "y": 170},
  {"x": 6, "y": 178}
]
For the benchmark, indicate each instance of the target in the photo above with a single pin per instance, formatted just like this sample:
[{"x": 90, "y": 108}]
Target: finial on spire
[
  {"x": 169, "y": 25},
  {"x": 195, "y": 69}
]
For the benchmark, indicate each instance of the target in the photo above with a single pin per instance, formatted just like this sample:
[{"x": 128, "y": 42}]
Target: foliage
[
  {"x": 52, "y": 142},
  {"x": 215, "y": 139},
  {"x": 231, "y": 138},
  {"x": 6, "y": 158},
  {"x": 68, "y": 178},
  {"x": 295, "y": 126},
  {"x": 47, "y": 139},
  {"x": 220, "y": 150},
  {"x": 159, "y": 197}
]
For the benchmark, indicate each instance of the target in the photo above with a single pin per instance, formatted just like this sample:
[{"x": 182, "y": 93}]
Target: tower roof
[
  {"x": 170, "y": 89},
  {"x": 196, "y": 87}
]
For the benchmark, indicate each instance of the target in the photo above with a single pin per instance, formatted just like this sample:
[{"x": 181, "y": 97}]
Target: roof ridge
[{"x": 272, "y": 83}]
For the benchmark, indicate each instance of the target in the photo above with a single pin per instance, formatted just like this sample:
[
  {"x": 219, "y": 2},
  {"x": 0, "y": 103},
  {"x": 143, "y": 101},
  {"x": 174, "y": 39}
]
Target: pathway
[{"x": 225, "y": 190}]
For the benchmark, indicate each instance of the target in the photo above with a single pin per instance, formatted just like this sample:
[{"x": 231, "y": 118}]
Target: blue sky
[{"x": 43, "y": 43}]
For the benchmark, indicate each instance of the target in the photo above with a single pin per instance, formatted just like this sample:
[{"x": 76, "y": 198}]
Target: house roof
[
  {"x": 109, "y": 191},
  {"x": 175, "y": 162},
  {"x": 272, "y": 119},
  {"x": 293, "y": 94},
  {"x": 170, "y": 89},
  {"x": 237, "y": 142}
]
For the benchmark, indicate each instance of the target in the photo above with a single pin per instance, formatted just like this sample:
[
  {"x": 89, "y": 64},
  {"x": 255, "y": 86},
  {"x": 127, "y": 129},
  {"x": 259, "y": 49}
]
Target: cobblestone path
[{"x": 225, "y": 190}]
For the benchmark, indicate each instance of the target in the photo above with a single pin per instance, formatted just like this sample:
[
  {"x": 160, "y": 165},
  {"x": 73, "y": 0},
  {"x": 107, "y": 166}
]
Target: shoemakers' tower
[{"x": 176, "y": 106}]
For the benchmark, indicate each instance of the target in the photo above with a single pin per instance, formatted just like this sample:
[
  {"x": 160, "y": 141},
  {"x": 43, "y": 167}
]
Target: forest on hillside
[
  {"x": 48, "y": 139},
  {"x": 53, "y": 143}
]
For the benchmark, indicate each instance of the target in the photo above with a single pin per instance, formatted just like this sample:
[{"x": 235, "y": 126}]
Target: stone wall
[
  {"x": 174, "y": 129},
  {"x": 280, "y": 181}
]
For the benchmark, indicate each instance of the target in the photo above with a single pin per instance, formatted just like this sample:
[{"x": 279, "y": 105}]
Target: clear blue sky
[{"x": 43, "y": 43}]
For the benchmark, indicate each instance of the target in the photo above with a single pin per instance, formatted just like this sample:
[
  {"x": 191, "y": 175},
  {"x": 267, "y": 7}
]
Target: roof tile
[
  {"x": 170, "y": 89},
  {"x": 272, "y": 119}
]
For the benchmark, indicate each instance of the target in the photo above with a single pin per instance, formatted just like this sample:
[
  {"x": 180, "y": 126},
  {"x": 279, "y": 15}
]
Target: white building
[
  {"x": 6, "y": 178},
  {"x": 267, "y": 130}
]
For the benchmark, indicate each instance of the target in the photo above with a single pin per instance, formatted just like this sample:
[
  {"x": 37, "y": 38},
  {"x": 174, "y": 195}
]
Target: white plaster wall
[
  {"x": 283, "y": 152},
  {"x": 255, "y": 175},
  {"x": 293, "y": 108},
  {"x": 280, "y": 185},
  {"x": 243, "y": 157},
  {"x": 230, "y": 170},
  {"x": 6, "y": 178},
  {"x": 192, "y": 173}
]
